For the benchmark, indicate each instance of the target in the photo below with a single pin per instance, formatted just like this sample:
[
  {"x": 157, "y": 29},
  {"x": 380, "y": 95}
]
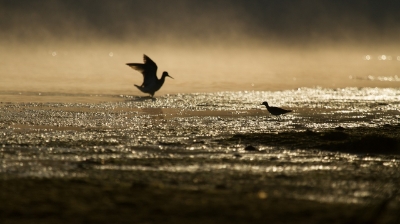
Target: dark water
[{"x": 198, "y": 141}]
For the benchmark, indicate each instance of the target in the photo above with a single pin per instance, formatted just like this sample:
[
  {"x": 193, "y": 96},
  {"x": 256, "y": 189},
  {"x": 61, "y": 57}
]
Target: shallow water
[{"x": 185, "y": 141}]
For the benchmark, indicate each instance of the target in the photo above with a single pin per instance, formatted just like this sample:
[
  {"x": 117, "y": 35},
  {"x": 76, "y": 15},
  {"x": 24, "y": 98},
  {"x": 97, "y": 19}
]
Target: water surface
[{"x": 198, "y": 141}]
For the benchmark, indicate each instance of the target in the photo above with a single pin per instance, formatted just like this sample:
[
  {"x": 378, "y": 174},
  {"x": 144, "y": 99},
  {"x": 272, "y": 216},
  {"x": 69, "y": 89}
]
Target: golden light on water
[
  {"x": 74, "y": 126},
  {"x": 207, "y": 68}
]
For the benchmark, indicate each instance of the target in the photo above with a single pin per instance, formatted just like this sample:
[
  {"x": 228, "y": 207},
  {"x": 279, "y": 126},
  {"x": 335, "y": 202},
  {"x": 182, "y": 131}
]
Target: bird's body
[
  {"x": 275, "y": 110},
  {"x": 151, "y": 83}
]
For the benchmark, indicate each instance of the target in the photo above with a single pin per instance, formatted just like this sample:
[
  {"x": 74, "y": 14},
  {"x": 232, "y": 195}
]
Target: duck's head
[
  {"x": 265, "y": 103},
  {"x": 165, "y": 74}
]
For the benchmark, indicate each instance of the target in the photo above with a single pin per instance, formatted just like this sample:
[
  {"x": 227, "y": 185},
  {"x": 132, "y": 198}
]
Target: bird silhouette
[
  {"x": 151, "y": 83},
  {"x": 275, "y": 110}
]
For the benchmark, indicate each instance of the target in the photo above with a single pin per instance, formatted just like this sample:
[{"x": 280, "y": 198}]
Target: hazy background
[{"x": 82, "y": 46}]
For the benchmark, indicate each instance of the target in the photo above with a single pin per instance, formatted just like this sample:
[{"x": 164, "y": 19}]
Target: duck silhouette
[{"x": 151, "y": 83}]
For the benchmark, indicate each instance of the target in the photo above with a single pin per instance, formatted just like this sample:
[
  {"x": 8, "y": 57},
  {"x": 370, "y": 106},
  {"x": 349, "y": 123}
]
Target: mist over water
[
  {"x": 76, "y": 136},
  {"x": 101, "y": 69},
  {"x": 75, "y": 47}
]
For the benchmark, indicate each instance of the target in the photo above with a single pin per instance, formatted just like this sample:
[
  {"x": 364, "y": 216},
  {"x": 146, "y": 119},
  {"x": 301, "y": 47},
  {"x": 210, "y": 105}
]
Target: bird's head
[
  {"x": 165, "y": 74},
  {"x": 265, "y": 103}
]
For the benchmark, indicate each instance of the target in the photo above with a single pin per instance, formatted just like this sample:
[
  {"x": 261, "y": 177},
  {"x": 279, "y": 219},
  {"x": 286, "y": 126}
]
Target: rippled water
[{"x": 179, "y": 141}]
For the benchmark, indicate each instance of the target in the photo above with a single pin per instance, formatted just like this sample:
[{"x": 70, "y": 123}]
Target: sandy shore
[{"x": 108, "y": 201}]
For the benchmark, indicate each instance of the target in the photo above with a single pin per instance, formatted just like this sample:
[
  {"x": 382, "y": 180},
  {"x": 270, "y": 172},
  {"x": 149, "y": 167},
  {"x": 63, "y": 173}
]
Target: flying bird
[
  {"x": 151, "y": 83},
  {"x": 275, "y": 110}
]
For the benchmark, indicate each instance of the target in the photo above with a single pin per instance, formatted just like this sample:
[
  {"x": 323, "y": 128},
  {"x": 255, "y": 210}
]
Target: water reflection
[{"x": 198, "y": 141}]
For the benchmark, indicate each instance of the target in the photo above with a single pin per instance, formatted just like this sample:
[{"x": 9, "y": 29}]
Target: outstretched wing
[{"x": 148, "y": 69}]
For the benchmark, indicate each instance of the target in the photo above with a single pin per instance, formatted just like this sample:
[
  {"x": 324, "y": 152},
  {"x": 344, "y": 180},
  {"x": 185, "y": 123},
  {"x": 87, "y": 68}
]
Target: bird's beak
[{"x": 170, "y": 77}]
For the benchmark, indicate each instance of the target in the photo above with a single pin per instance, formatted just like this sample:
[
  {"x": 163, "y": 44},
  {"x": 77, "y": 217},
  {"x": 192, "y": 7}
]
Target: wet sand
[
  {"x": 195, "y": 158},
  {"x": 86, "y": 200}
]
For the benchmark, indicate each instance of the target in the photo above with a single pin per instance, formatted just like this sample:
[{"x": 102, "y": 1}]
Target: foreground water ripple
[{"x": 202, "y": 140}]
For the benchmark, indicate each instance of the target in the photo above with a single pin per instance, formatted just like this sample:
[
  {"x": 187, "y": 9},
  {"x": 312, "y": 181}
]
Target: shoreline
[{"x": 114, "y": 95}]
